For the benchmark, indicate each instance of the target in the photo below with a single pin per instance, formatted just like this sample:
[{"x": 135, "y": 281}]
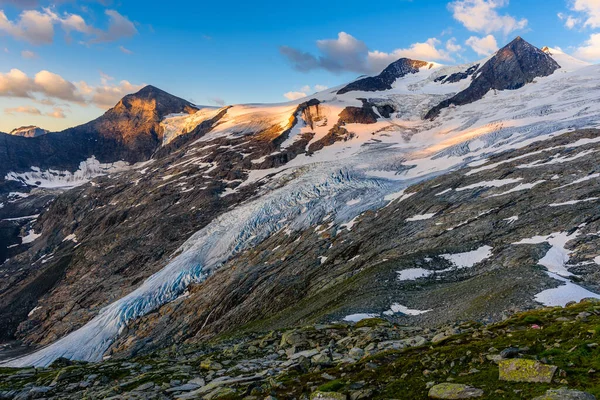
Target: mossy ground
[{"x": 569, "y": 345}]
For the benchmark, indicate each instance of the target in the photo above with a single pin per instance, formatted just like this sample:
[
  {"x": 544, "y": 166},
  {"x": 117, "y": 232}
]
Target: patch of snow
[
  {"x": 420, "y": 217},
  {"x": 33, "y": 311},
  {"x": 412, "y": 274},
  {"x": 359, "y": 317},
  {"x": 71, "y": 238},
  {"x": 511, "y": 220},
  {"x": 443, "y": 192},
  {"x": 572, "y": 202},
  {"x": 469, "y": 258},
  {"x": 494, "y": 183},
  {"x": 399, "y": 308},
  {"x": 518, "y": 188},
  {"x": 30, "y": 237},
  {"x": 563, "y": 294},
  {"x": 557, "y": 257},
  {"x": 322, "y": 259}
]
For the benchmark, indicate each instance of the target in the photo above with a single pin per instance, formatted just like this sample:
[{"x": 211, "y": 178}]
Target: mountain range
[{"x": 427, "y": 195}]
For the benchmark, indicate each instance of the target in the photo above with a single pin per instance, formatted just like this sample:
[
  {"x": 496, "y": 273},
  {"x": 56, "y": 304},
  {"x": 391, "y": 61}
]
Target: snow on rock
[
  {"x": 470, "y": 258},
  {"x": 518, "y": 188},
  {"x": 420, "y": 217},
  {"x": 557, "y": 257},
  {"x": 398, "y": 308},
  {"x": 30, "y": 237},
  {"x": 359, "y": 317},
  {"x": 572, "y": 202},
  {"x": 563, "y": 294},
  {"x": 412, "y": 274},
  {"x": 494, "y": 183},
  {"x": 50, "y": 178}
]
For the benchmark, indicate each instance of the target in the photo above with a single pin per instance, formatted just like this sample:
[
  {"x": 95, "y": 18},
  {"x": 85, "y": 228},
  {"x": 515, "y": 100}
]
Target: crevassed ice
[{"x": 319, "y": 191}]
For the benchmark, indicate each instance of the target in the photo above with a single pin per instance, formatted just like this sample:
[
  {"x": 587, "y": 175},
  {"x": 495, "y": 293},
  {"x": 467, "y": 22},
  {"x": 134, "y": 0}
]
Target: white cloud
[
  {"x": 37, "y": 27},
  {"x": 294, "y": 95},
  {"x": 481, "y": 16},
  {"x": 119, "y": 27},
  {"x": 570, "y": 21},
  {"x": 427, "y": 51},
  {"x": 55, "y": 86},
  {"x": 348, "y": 54},
  {"x": 452, "y": 46},
  {"x": 107, "y": 95},
  {"x": 483, "y": 46},
  {"x": 320, "y": 88},
  {"x": 16, "y": 83},
  {"x": 591, "y": 11},
  {"x": 32, "y": 26},
  {"x": 590, "y": 50},
  {"x": 57, "y": 112}
]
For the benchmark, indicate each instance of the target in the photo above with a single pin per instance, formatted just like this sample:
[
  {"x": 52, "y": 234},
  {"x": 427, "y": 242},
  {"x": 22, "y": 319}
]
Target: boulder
[
  {"x": 520, "y": 370},
  {"x": 565, "y": 394}
]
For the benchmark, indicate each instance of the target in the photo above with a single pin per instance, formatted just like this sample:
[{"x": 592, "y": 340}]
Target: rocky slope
[
  {"x": 546, "y": 354},
  {"x": 343, "y": 206}
]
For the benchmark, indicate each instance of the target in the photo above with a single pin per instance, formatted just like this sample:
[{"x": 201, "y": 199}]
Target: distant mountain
[
  {"x": 28, "y": 131},
  {"x": 512, "y": 67},
  {"x": 130, "y": 131}
]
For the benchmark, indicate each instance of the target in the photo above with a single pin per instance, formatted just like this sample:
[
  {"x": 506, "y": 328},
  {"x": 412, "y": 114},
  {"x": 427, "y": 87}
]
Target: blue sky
[{"x": 63, "y": 63}]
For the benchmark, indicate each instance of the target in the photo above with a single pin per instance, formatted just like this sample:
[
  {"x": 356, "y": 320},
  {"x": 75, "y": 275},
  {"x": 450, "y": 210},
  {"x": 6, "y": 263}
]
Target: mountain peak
[
  {"x": 28, "y": 131},
  {"x": 387, "y": 77},
  {"x": 512, "y": 67}
]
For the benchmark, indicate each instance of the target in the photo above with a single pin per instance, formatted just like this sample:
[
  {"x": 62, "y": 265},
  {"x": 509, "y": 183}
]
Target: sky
[{"x": 65, "y": 62}]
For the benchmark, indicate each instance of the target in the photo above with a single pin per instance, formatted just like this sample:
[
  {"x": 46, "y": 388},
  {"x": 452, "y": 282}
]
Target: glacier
[{"x": 311, "y": 190}]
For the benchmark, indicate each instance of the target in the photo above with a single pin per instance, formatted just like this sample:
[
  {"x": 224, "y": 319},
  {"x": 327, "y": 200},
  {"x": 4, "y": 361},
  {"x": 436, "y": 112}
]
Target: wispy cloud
[
  {"x": 23, "y": 110},
  {"x": 125, "y": 50}
]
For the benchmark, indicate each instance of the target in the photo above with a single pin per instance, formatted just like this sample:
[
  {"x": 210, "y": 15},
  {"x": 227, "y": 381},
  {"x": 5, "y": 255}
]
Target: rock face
[
  {"x": 28, "y": 131},
  {"x": 521, "y": 370},
  {"x": 454, "y": 391},
  {"x": 384, "y": 81},
  {"x": 512, "y": 67}
]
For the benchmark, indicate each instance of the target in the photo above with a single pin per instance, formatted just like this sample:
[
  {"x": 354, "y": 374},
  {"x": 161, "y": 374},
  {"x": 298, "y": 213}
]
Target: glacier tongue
[{"x": 319, "y": 191}]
